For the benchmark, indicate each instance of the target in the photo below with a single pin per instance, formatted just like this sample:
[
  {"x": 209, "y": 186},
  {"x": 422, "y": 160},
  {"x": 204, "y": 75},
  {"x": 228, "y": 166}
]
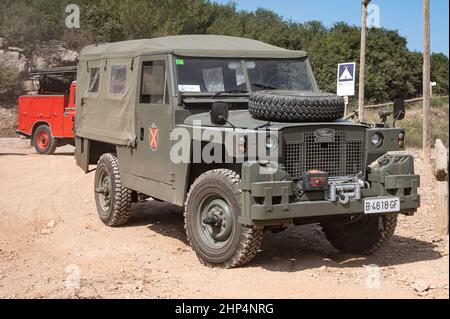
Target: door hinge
[{"x": 172, "y": 178}]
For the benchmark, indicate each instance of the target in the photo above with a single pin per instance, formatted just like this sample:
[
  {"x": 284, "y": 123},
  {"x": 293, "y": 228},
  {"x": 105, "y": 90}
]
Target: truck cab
[{"x": 47, "y": 118}]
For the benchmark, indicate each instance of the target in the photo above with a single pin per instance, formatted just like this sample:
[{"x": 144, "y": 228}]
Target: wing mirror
[
  {"x": 219, "y": 113},
  {"x": 399, "y": 110}
]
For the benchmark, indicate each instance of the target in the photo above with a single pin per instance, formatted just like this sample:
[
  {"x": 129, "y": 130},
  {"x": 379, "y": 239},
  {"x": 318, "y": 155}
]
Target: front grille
[{"x": 339, "y": 158}]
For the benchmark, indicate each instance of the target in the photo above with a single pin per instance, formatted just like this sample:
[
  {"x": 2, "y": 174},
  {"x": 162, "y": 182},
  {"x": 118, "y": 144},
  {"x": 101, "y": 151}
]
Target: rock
[
  {"x": 421, "y": 286},
  {"x": 46, "y": 231},
  {"x": 113, "y": 288},
  {"x": 51, "y": 224},
  {"x": 138, "y": 286},
  {"x": 3, "y": 43},
  {"x": 53, "y": 54},
  {"x": 16, "y": 49},
  {"x": 14, "y": 59}
]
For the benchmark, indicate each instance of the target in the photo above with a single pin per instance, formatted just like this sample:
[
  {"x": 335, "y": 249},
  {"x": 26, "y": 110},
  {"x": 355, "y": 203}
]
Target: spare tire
[{"x": 296, "y": 106}]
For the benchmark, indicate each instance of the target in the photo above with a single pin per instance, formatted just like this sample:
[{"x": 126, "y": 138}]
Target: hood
[{"x": 242, "y": 119}]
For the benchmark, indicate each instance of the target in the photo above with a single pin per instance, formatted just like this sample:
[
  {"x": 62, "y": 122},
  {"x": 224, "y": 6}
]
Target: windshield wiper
[
  {"x": 229, "y": 92},
  {"x": 264, "y": 86}
]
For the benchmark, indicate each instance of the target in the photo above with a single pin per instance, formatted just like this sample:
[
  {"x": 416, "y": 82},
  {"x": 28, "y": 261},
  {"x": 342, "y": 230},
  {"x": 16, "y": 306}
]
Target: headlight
[{"x": 377, "y": 139}]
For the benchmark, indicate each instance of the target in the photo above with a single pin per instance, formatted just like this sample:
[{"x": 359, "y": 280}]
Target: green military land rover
[{"x": 238, "y": 133}]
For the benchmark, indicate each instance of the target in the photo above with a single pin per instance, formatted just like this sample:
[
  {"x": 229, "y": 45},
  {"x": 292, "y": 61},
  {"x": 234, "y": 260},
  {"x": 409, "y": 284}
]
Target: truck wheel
[
  {"x": 296, "y": 106},
  {"x": 113, "y": 200},
  {"x": 43, "y": 141},
  {"x": 364, "y": 236},
  {"x": 211, "y": 221}
]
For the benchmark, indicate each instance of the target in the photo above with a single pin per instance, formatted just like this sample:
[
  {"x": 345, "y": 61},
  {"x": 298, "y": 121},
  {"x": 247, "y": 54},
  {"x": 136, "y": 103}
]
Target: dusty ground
[{"x": 50, "y": 236}]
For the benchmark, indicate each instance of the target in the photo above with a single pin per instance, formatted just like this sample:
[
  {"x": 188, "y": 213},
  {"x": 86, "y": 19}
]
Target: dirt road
[{"x": 51, "y": 240}]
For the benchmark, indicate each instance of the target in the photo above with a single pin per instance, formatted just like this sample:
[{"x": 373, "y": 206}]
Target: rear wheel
[
  {"x": 365, "y": 235},
  {"x": 211, "y": 221},
  {"x": 43, "y": 141},
  {"x": 113, "y": 200}
]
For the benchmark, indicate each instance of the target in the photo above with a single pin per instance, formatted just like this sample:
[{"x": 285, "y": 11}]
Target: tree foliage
[{"x": 392, "y": 70}]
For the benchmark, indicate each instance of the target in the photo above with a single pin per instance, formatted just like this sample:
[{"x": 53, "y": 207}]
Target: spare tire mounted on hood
[{"x": 296, "y": 106}]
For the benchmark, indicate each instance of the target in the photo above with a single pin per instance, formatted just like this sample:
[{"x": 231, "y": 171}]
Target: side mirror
[
  {"x": 219, "y": 113},
  {"x": 399, "y": 110}
]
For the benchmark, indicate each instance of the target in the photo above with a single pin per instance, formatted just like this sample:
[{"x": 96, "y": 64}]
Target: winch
[
  {"x": 341, "y": 189},
  {"x": 344, "y": 189}
]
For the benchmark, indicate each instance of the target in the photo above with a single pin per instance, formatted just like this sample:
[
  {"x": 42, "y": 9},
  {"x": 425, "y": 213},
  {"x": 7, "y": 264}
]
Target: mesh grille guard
[{"x": 338, "y": 157}]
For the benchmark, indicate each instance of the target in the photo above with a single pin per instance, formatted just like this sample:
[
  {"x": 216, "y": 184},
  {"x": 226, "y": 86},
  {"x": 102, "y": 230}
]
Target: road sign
[{"x": 346, "y": 79}]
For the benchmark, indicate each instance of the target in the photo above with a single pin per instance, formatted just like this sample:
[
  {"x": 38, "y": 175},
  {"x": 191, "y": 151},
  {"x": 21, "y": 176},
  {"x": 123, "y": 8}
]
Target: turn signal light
[{"x": 401, "y": 139}]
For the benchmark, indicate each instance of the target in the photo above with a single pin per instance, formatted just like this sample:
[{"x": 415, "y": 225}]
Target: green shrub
[{"x": 9, "y": 82}]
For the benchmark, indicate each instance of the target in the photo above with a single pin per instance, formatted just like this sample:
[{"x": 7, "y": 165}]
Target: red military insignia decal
[{"x": 153, "y": 137}]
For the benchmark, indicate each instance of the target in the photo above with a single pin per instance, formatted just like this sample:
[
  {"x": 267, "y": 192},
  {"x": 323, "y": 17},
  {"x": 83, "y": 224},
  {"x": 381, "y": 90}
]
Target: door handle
[{"x": 142, "y": 133}]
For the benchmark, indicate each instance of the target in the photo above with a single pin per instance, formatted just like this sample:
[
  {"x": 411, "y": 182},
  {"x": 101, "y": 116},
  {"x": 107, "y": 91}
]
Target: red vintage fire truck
[{"x": 48, "y": 118}]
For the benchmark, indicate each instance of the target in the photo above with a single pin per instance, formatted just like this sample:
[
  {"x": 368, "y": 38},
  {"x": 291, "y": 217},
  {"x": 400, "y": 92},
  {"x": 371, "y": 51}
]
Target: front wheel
[
  {"x": 364, "y": 235},
  {"x": 43, "y": 141},
  {"x": 211, "y": 221}
]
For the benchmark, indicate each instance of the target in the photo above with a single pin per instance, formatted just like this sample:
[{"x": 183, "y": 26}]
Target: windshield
[{"x": 203, "y": 75}]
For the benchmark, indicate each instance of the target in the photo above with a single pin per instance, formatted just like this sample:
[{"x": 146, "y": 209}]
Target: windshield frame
[{"x": 311, "y": 76}]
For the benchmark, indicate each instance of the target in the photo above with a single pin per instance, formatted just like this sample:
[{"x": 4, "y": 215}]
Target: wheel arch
[
  {"x": 35, "y": 127},
  {"x": 194, "y": 170}
]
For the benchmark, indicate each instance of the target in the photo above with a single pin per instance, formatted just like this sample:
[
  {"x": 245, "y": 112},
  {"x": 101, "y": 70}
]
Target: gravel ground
[{"x": 53, "y": 245}]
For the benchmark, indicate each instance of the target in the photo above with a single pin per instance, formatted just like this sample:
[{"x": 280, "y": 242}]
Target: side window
[
  {"x": 118, "y": 79},
  {"x": 154, "y": 83},
  {"x": 94, "y": 80}
]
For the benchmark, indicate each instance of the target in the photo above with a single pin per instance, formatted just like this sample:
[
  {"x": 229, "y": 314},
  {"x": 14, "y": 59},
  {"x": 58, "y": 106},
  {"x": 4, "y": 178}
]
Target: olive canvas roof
[{"x": 189, "y": 45}]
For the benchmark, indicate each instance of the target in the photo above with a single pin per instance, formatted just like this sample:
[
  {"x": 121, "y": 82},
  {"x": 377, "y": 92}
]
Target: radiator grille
[{"x": 339, "y": 158}]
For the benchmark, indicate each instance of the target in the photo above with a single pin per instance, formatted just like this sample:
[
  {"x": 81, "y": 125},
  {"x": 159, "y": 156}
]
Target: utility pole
[
  {"x": 362, "y": 61},
  {"x": 426, "y": 82}
]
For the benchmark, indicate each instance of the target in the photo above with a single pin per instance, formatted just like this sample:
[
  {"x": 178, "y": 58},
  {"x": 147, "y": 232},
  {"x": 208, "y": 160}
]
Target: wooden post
[
  {"x": 362, "y": 61},
  {"x": 426, "y": 82},
  {"x": 441, "y": 173}
]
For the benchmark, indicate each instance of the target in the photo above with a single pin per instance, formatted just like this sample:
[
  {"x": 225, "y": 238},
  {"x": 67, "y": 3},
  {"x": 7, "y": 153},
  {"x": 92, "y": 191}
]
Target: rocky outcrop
[
  {"x": 47, "y": 56},
  {"x": 53, "y": 54},
  {"x": 12, "y": 57}
]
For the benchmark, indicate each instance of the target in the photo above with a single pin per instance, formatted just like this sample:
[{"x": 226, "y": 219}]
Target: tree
[
  {"x": 439, "y": 73},
  {"x": 392, "y": 71}
]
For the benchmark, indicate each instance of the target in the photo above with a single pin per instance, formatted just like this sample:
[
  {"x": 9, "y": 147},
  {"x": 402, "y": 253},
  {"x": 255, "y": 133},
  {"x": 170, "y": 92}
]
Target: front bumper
[
  {"x": 23, "y": 134},
  {"x": 269, "y": 197}
]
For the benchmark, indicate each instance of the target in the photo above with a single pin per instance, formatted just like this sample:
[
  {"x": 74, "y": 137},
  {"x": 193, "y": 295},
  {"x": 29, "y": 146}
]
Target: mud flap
[{"x": 82, "y": 153}]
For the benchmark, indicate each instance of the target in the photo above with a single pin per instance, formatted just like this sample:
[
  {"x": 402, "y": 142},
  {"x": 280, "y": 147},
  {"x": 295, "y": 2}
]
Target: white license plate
[{"x": 381, "y": 205}]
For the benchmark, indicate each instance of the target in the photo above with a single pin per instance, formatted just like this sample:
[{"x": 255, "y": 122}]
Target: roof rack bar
[{"x": 55, "y": 71}]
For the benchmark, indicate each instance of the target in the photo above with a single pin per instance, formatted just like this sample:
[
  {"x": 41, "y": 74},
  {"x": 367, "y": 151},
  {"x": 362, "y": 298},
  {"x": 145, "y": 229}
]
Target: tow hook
[{"x": 343, "y": 198}]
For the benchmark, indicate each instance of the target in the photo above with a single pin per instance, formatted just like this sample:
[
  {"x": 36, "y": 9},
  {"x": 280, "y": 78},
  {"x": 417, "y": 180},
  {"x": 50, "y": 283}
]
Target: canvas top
[{"x": 189, "y": 45}]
